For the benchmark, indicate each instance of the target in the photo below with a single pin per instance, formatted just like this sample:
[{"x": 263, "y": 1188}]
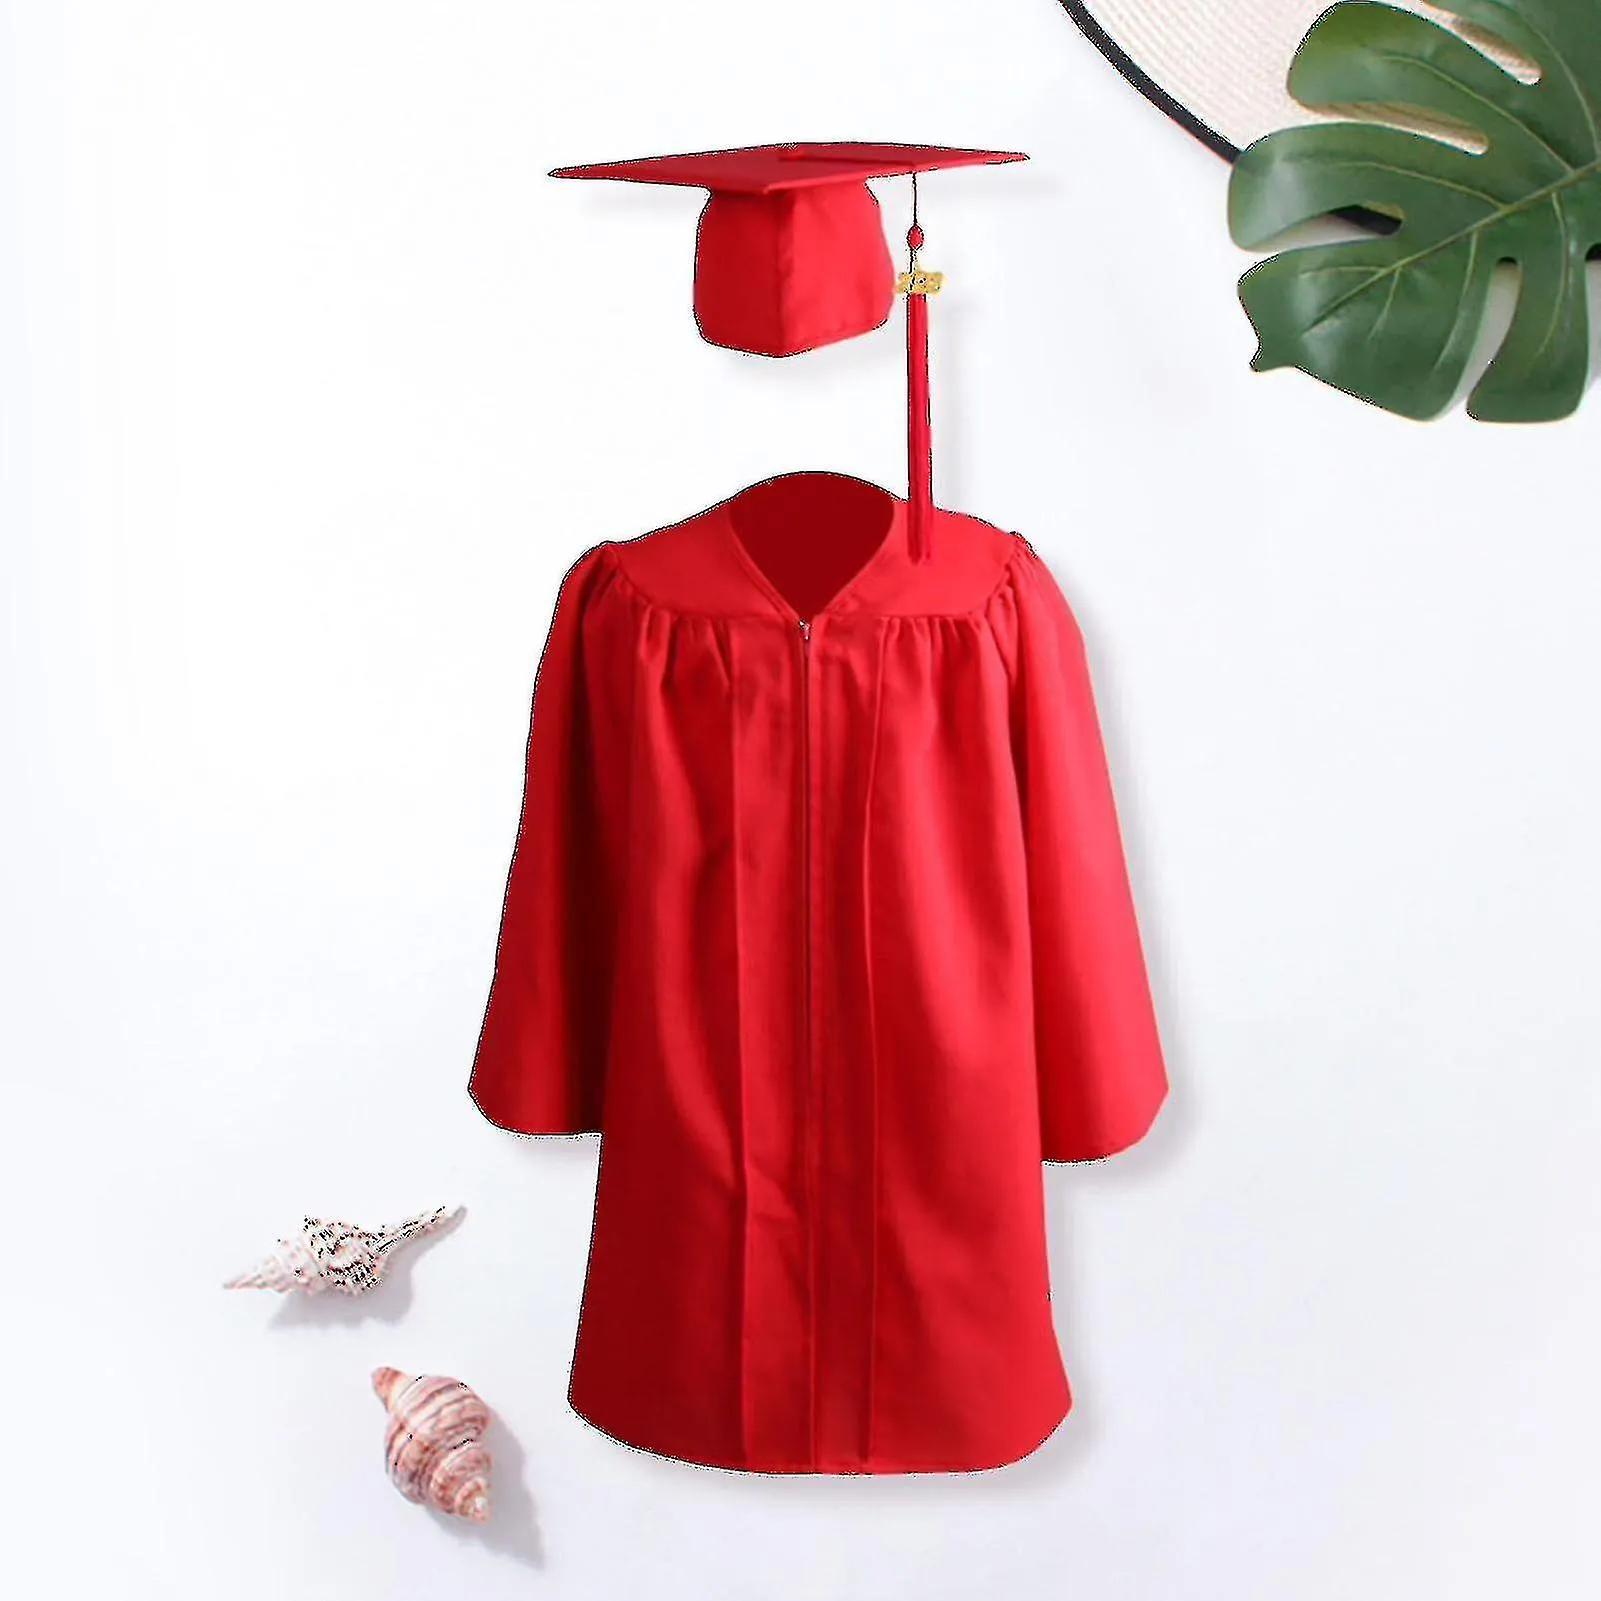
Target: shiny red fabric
[{"x": 818, "y": 914}]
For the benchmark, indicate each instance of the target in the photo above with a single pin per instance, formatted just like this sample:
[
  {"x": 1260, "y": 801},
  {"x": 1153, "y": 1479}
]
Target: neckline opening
[{"x": 809, "y": 536}]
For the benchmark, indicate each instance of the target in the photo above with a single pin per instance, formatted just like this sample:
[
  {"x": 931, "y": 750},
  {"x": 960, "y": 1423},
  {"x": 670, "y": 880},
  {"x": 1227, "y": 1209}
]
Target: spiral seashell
[
  {"x": 338, "y": 1255},
  {"x": 431, "y": 1448}
]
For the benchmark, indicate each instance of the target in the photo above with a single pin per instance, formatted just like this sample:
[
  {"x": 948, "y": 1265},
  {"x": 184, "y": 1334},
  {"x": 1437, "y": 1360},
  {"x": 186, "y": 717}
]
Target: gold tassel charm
[{"x": 917, "y": 281}]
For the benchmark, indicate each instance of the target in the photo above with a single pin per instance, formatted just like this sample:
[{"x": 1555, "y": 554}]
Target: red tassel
[{"x": 919, "y": 433}]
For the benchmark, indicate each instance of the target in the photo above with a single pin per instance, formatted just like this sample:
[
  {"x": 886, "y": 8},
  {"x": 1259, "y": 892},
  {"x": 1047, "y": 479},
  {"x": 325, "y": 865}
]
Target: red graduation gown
[{"x": 819, "y": 915}]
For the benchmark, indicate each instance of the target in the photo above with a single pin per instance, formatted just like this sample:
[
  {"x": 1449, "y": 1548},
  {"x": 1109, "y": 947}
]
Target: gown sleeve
[
  {"x": 539, "y": 1067},
  {"x": 1099, "y": 1056}
]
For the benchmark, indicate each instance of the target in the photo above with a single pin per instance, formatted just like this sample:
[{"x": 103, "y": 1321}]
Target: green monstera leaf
[{"x": 1395, "y": 318}]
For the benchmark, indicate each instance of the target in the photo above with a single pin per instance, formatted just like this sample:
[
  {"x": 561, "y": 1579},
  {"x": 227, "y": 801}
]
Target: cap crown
[{"x": 781, "y": 273}]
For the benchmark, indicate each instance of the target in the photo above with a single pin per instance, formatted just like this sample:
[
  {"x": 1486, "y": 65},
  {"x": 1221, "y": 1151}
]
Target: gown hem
[{"x": 877, "y": 1466}]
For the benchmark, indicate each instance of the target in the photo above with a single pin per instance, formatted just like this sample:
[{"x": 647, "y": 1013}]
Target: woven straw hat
[{"x": 1218, "y": 67}]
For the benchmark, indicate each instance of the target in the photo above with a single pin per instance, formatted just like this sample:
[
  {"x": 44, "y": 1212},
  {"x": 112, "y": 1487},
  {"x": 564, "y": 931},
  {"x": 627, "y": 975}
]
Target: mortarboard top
[
  {"x": 769, "y": 169},
  {"x": 790, "y": 253}
]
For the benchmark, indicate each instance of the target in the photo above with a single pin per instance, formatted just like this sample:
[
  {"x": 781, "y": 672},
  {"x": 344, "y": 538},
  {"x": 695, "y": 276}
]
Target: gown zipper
[{"x": 808, "y": 1063}]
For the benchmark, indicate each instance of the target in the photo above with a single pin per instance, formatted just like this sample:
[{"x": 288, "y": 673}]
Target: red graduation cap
[{"x": 790, "y": 254}]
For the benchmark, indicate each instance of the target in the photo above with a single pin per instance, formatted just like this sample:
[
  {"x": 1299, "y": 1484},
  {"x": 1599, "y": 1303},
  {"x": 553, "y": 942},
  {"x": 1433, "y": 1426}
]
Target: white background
[{"x": 314, "y": 386}]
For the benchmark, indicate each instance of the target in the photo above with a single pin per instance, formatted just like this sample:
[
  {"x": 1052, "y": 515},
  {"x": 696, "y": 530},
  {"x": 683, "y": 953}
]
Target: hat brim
[
  {"x": 1218, "y": 68},
  {"x": 1142, "y": 80}
]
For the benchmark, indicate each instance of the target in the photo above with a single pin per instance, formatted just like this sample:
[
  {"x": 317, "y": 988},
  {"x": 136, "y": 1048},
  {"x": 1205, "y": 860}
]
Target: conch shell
[
  {"x": 431, "y": 1448},
  {"x": 340, "y": 1255}
]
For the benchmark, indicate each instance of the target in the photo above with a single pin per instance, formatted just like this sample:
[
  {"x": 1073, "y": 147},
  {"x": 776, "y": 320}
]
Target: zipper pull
[{"x": 805, "y": 631}]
